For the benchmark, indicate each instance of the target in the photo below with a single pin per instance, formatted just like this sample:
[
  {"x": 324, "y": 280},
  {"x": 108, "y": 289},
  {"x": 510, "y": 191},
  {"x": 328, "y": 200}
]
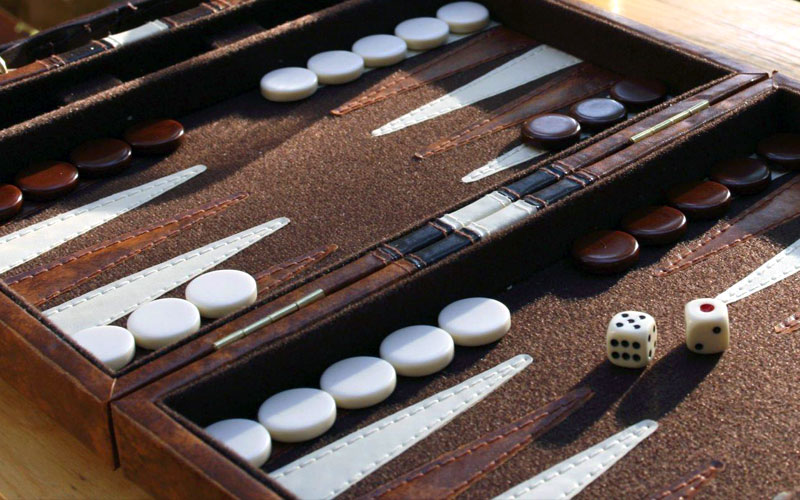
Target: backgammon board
[{"x": 514, "y": 249}]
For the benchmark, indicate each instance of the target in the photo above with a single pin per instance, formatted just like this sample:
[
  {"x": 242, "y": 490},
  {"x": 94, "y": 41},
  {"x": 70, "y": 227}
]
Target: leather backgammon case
[{"x": 341, "y": 186}]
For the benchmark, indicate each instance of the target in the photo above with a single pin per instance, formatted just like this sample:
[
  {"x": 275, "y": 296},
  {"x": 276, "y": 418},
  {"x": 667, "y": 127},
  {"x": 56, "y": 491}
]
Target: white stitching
[
  {"x": 418, "y": 115},
  {"x": 571, "y": 465},
  {"x": 503, "y": 373},
  {"x": 165, "y": 266},
  {"x": 156, "y": 189},
  {"x": 511, "y": 158},
  {"x": 746, "y": 286}
]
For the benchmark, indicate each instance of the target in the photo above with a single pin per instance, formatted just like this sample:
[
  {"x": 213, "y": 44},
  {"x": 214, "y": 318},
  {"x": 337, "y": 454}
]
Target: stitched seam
[
  {"x": 502, "y": 373},
  {"x": 300, "y": 265},
  {"x": 700, "y": 478},
  {"x": 93, "y": 206},
  {"x": 602, "y": 466},
  {"x": 676, "y": 264},
  {"x": 393, "y": 248},
  {"x": 201, "y": 214},
  {"x": 380, "y": 256},
  {"x": 453, "y": 141},
  {"x": 430, "y": 426},
  {"x": 789, "y": 324},
  {"x": 480, "y": 228},
  {"x": 380, "y": 93},
  {"x": 748, "y": 287},
  {"x": 438, "y": 228},
  {"x": 497, "y": 165},
  {"x": 412, "y": 117},
  {"x": 168, "y": 265},
  {"x": 534, "y": 419}
]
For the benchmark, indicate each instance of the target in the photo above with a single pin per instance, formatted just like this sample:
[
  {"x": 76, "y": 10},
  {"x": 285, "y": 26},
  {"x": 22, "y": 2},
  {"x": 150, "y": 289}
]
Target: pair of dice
[{"x": 632, "y": 335}]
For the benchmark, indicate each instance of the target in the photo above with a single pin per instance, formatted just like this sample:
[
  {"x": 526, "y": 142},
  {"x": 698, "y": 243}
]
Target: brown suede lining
[
  {"x": 340, "y": 185},
  {"x": 327, "y": 187},
  {"x": 740, "y": 406},
  {"x": 227, "y": 72},
  {"x": 32, "y": 96}
]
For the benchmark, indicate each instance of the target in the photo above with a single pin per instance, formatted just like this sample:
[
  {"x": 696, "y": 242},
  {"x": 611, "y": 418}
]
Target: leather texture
[
  {"x": 55, "y": 278},
  {"x": 281, "y": 273},
  {"x": 567, "y": 479},
  {"x": 783, "y": 265},
  {"x": 557, "y": 191},
  {"x": 93, "y": 47},
  {"x": 688, "y": 487},
  {"x": 115, "y": 300},
  {"x": 74, "y": 32},
  {"x": 84, "y": 51},
  {"x": 420, "y": 238},
  {"x": 541, "y": 178},
  {"x": 31, "y": 69},
  {"x": 199, "y": 12},
  {"x": 789, "y": 324},
  {"x": 488, "y": 46},
  {"x": 777, "y": 208},
  {"x": 748, "y": 85},
  {"x": 366, "y": 275},
  {"x": 575, "y": 84},
  {"x": 454, "y": 472},
  {"x": 30, "y": 242},
  {"x": 511, "y": 158},
  {"x": 532, "y": 65},
  {"x": 620, "y": 140},
  {"x": 333, "y": 469},
  {"x": 136, "y": 34},
  {"x": 502, "y": 219},
  {"x": 476, "y": 210},
  {"x": 442, "y": 248}
]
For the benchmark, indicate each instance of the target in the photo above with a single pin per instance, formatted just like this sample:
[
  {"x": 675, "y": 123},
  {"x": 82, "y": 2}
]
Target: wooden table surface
[{"x": 38, "y": 459}]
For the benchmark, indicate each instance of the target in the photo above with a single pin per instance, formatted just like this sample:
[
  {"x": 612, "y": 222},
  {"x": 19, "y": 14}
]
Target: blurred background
[{"x": 21, "y": 18}]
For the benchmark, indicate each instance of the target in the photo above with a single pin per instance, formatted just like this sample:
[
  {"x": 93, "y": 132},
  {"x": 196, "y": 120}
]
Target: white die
[
  {"x": 631, "y": 339},
  {"x": 707, "y": 326}
]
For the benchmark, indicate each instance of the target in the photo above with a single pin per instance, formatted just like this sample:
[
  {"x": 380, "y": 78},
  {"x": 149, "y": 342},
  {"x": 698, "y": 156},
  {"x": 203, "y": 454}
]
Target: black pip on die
[
  {"x": 707, "y": 327},
  {"x": 631, "y": 339}
]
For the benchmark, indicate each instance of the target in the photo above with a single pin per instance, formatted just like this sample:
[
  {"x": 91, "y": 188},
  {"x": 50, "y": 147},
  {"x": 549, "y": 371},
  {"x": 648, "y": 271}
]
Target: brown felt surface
[
  {"x": 336, "y": 182},
  {"x": 739, "y": 407},
  {"x": 340, "y": 185}
]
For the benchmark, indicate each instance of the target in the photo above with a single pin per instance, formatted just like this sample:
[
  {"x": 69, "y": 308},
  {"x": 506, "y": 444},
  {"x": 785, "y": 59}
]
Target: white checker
[
  {"x": 289, "y": 84},
  {"x": 112, "y": 345},
  {"x": 336, "y": 66},
  {"x": 419, "y": 350},
  {"x": 464, "y": 17},
  {"x": 532, "y": 65},
  {"x": 475, "y": 321},
  {"x": 298, "y": 414},
  {"x": 108, "y": 303},
  {"x": 247, "y": 438},
  {"x": 163, "y": 321},
  {"x": 331, "y": 470},
  {"x": 423, "y": 33},
  {"x": 219, "y": 293},
  {"x": 359, "y": 382},
  {"x": 381, "y": 50}
]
